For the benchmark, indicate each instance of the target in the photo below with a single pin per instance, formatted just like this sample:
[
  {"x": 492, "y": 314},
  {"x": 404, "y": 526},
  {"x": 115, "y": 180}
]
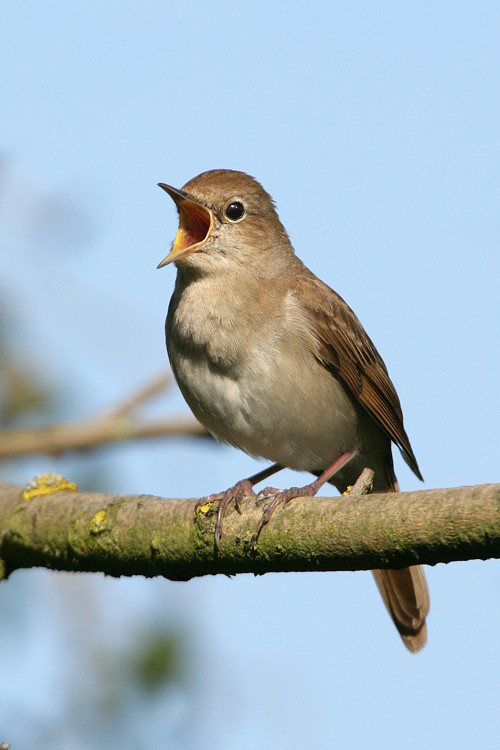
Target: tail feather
[
  {"x": 404, "y": 591},
  {"x": 406, "y": 597}
]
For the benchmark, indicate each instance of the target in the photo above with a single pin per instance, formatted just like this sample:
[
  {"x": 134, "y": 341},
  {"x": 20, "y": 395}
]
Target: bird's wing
[{"x": 346, "y": 350}]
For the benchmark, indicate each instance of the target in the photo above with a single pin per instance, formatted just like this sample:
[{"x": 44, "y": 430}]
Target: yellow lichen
[
  {"x": 98, "y": 523},
  {"x": 45, "y": 484}
]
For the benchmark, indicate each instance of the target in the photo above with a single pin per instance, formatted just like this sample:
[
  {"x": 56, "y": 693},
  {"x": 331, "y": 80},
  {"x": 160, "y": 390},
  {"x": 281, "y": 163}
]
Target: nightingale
[{"x": 273, "y": 361}]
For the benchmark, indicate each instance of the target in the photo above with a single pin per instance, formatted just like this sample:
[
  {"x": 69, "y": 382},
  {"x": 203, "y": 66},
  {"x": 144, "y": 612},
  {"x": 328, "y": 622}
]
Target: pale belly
[
  {"x": 255, "y": 383},
  {"x": 271, "y": 406}
]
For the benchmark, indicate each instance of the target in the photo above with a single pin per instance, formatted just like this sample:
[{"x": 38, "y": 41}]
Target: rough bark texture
[{"x": 146, "y": 535}]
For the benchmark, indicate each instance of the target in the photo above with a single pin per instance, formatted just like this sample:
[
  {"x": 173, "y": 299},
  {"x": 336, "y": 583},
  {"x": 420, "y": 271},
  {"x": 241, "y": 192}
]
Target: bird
[{"x": 273, "y": 361}]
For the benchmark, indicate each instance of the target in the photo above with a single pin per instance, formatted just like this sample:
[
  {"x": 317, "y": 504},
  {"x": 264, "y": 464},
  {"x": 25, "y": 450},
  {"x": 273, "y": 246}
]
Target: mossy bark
[{"x": 146, "y": 535}]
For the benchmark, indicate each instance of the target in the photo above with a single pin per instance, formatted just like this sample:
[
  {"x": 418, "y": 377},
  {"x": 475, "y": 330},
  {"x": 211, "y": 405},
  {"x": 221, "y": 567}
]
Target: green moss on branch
[{"x": 146, "y": 535}]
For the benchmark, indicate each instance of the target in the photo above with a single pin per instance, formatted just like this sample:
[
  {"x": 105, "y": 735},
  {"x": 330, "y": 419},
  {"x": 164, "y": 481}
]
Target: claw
[
  {"x": 281, "y": 497},
  {"x": 267, "y": 492},
  {"x": 240, "y": 490},
  {"x": 244, "y": 488},
  {"x": 236, "y": 493}
]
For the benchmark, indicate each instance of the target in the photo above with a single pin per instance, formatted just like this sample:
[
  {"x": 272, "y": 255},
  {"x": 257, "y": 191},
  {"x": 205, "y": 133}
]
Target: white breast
[{"x": 256, "y": 383}]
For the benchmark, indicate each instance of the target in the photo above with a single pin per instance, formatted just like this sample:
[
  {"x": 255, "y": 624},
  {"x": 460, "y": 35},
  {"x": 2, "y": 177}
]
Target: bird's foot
[
  {"x": 236, "y": 493},
  {"x": 281, "y": 497},
  {"x": 267, "y": 492}
]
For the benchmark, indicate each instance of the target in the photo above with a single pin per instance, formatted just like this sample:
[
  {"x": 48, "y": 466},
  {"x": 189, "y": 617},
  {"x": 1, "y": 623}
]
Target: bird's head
[{"x": 226, "y": 220}]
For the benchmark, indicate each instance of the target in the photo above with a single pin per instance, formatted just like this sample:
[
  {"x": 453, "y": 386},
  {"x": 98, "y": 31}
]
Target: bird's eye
[{"x": 235, "y": 211}]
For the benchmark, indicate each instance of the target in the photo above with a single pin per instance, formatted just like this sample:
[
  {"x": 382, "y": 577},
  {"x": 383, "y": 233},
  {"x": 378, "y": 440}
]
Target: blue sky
[{"x": 375, "y": 127}]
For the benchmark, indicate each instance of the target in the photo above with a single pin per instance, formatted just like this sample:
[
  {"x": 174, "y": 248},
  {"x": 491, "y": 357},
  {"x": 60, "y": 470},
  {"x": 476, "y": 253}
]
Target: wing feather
[{"x": 347, "y": 351}]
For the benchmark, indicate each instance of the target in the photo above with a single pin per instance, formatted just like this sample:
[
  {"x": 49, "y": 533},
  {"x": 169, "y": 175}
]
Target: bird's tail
[
  {"x": 406, "y": 597},
  {"x": 405, "y": 594}
]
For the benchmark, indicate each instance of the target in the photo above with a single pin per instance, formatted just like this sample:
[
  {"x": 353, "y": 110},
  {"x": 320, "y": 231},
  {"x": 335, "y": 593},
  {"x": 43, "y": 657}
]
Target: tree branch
[
  {"x": 113, "y": 425},
  {"x": 146, "y": 535}
]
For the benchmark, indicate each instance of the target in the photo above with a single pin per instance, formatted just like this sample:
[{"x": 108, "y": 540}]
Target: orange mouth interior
[{"x": 195, "y": 223}]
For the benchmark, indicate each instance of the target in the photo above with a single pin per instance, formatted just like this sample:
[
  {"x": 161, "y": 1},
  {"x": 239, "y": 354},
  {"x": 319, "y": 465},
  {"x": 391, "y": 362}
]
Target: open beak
[{"x": 195, "y": 224}]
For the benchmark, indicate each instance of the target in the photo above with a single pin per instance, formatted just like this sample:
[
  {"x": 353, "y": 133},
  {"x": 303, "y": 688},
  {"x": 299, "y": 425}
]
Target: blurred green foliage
[{"x": 156, "y": 660}]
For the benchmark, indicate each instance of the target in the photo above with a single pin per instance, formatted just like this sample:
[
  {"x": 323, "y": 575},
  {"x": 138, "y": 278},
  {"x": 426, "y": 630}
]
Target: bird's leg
[
  {"x": 237, "y": 492},
  {"x": 282, "y": 497}
]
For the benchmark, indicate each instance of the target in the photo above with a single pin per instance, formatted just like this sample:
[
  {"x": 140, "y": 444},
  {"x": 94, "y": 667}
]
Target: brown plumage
[
  {"x": 349, "y": 353},
  {"x": 273, "y": 361}
]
